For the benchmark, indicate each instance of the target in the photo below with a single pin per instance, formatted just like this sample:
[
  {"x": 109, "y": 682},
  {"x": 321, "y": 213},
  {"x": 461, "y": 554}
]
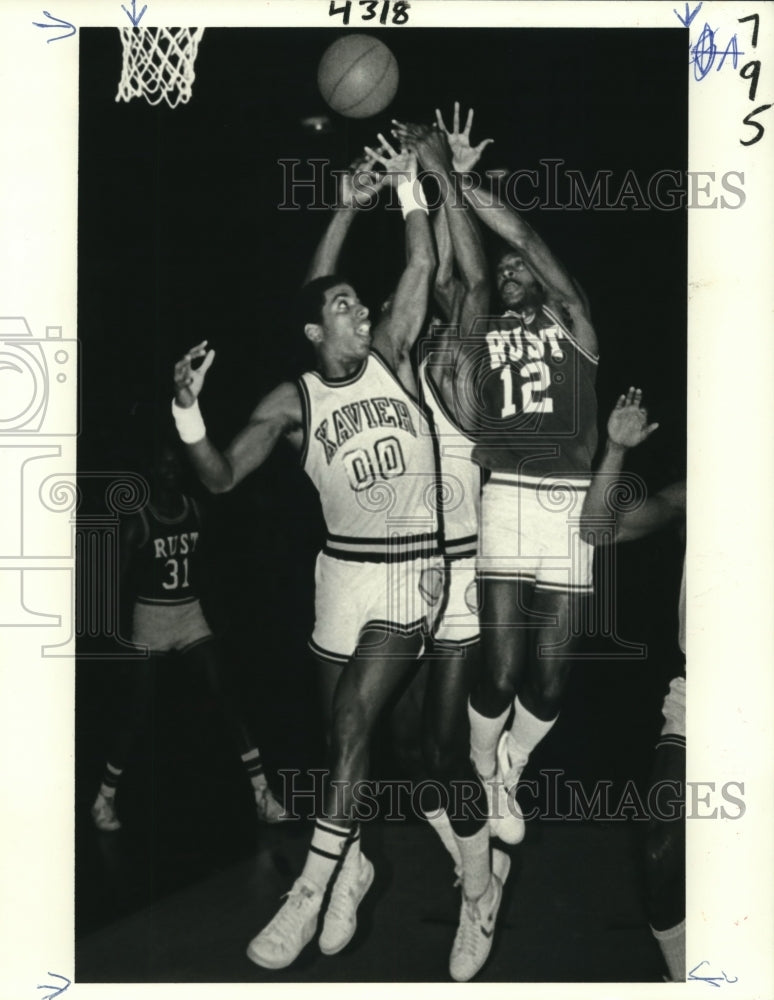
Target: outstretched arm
[
  {"x": 507, "y": 223},
  {"x": 358, "y": 187},
  {"x": 397, "y": 331},
  {"x": 628, "y": 427},
  {"x": 278, "y": 414},
  {"x": 467, "y": 244}
]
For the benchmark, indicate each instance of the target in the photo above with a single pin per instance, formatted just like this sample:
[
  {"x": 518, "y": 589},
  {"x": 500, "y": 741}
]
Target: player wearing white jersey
[
  {"x": 628, "y": 427},
  {"x": 452, "y": 657},
  {"x": 344, "y": 453}
]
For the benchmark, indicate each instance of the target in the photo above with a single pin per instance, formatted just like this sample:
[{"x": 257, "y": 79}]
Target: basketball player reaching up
[
  {"x": 526, "y": 382},
  {"x": 454, "y": 658},
  {"x": 363, "y": 439},
  {"x": 158, "y": 553},
  {"x": 628, "y": 427}
]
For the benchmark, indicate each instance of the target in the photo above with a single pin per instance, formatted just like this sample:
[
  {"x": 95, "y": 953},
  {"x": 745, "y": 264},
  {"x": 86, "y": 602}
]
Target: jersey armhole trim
[
  {"x": 412, "y": 396},
  {"x": 306, "y": 416},
  {"x": 425, "y": 378},
  {"x": 593, "y": 358}
]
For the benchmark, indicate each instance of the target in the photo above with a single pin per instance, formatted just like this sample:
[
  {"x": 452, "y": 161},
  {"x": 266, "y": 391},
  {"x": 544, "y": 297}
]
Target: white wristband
[
  {"x": 189, "y": 422},
  {"x": 411, "y": 196}
]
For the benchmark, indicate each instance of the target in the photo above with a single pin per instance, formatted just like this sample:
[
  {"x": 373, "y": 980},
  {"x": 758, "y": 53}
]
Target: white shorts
[
  {"x": 458, "y": 623},
  {"x": 673, "y": 709},
  {"x": 167, "y": 627},
  {"x": 398, "y": 597},
  {"x": 530, "y": 530}
]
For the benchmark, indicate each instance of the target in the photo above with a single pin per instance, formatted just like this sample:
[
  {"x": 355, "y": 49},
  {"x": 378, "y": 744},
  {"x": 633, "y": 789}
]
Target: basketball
[{"x": 358, "y": 76}]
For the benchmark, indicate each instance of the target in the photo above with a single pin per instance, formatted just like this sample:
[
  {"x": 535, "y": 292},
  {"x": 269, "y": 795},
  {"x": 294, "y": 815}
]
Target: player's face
[
  {"x": 345, "y": 323},
  {"x": 168, "y": 470},
  {"x": 515, "y": 283}
]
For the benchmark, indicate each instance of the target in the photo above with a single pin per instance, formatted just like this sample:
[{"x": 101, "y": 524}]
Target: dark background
[{"x": 180, "y": 240}]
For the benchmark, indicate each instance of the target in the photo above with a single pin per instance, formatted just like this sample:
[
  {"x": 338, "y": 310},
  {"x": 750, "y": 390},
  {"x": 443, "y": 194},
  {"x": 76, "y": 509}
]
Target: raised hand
[
  {"x": 359, "y": 185},
  {"x": 398, "y": 166},
  {"x": 429, "y": 143},
  {"x": 189, "y": 380},
  {"x": 628, "y": 424},
  {"x": 464, "y": 156}
]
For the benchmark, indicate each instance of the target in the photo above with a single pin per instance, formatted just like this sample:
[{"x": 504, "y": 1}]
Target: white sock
[
  {"x": 254, "y": 768},
  {"x": 672, "y": 945},
  {"x": 328, "y": 842},
  {"x": 484, "y": 734},
  {"x": 353, "y": 848},
  {"x": 440, "y": 822},
  {"x": 527, "y": 730},
  {"x": 476, "y": 866}
]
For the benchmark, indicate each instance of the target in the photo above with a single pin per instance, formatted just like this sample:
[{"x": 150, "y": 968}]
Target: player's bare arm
[
  {"x": 467, "y": 245},
  {"x": 628, "y": 427},
  {"x": 397, "y": 331},
  {"x": 561, "y": 291},
  {"x": 358, "y": 188},
  {"x": 277, "y": 415}
]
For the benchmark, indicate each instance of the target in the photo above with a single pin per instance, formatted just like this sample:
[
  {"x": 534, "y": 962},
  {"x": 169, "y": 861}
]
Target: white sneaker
[
  {"x": 103, "y": 812},
  {"x": 269, "y": 810},
  {"x": 473, "y": 940},
  {"x": 505, "y": 817},
  {"x": 292, "y": 928},
  {"x": 353, "y": 882}
]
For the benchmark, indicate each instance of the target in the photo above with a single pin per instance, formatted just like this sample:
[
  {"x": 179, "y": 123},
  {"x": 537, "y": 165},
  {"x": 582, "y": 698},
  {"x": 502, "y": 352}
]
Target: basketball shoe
[
  {"x": 340, "y": 923},
  {"x": 103, "y": 812},
  {"x": 473, "y": 940},
  {"x": 505, "y": 817},
  {"x": 290, "y": 930},
  {"x": 267, "y": 807}
]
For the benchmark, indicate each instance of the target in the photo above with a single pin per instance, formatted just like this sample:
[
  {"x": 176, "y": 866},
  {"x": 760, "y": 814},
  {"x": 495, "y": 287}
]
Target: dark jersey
[
  {"x": 527, "y": 390},
  {"x": 165, "y": 569}
]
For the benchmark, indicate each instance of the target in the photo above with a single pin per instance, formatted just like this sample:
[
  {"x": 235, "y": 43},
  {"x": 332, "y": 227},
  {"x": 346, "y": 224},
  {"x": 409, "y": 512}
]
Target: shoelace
[
  {"x": 290, "y": 915},
  {"x": 469, "y": 936}
]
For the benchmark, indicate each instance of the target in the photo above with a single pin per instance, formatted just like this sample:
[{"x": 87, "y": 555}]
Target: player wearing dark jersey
[
  {"x": 525, "y": 387},
  {"x": 158, "y": 553},
  {"x": 358, "y": 430},
  {"x": 628, "y": 427}
]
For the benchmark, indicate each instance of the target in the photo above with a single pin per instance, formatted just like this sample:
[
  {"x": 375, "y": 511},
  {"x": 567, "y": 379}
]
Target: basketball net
[{"x": 158, "y": 64}]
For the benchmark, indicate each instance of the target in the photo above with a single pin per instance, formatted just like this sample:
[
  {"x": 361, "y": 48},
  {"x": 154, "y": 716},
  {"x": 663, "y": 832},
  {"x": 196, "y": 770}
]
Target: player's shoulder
[{"x": 283, "y": 402}]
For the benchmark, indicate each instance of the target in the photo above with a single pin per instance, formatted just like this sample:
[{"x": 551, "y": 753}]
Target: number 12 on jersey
[{"x": 533, "y": 399}]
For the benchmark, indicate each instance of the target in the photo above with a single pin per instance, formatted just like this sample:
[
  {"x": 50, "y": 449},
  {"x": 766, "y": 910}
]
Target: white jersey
[
  {"x": 369, "y": 451},
  {"x": 460, "y": 476}
]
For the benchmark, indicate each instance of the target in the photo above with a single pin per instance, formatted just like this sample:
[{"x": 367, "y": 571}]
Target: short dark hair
[{"x": 312, "y": 298}]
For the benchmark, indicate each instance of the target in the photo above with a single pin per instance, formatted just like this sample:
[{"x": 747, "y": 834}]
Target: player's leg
[
  {"x": 205, "y": 658},
  {"x": 328, "y": 671},
  {"x": 464, "y": 828},
  {"x": 366, "y": 684},
  {"x": 507, "y": 637},
  {"x": 131, "y": 697},
  {"x": 665, "y": 843}
]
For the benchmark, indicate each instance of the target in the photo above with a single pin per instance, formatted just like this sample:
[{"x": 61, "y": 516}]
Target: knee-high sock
[
  {"x": 527, "y": 730},
  {"x": 476, "y": 864},
  {"x": 672, "y": 945},
  {"x": 440, "y": 822},
  {"x": 484, "y": 734},
  {"x": 328, "y": 843}
]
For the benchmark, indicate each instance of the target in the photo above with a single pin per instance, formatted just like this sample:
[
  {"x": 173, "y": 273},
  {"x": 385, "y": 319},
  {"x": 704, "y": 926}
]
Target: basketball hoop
[{"x": 158, "y": 64}]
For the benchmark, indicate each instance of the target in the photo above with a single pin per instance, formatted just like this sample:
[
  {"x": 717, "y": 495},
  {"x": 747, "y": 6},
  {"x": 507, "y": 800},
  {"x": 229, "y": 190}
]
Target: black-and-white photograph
[{"x": 379, "y": 517}]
